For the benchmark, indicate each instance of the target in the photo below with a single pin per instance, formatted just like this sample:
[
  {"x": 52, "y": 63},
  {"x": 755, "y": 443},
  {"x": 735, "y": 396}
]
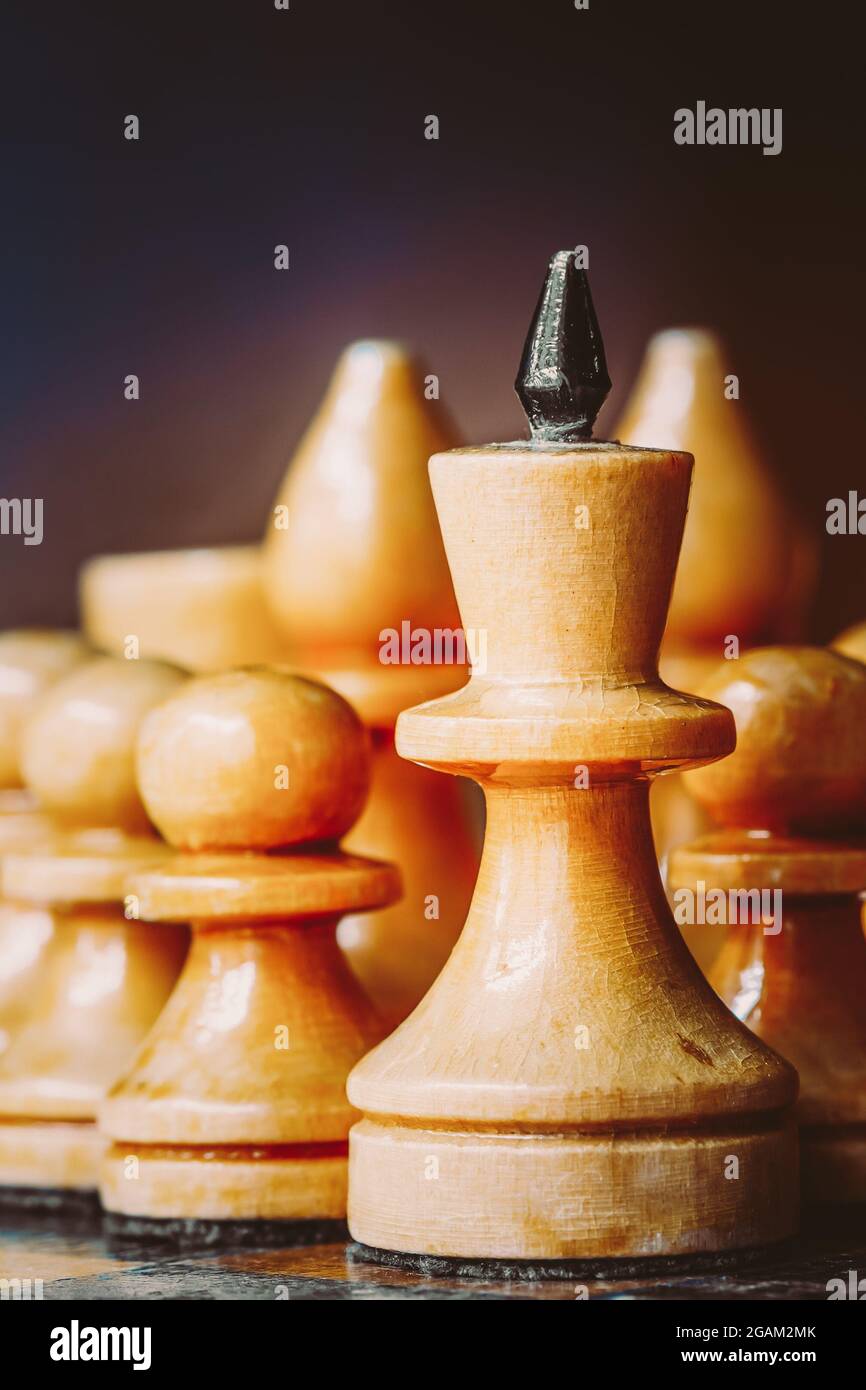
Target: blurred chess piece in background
[
  {"x": 96, "y": 979},
  {"x": 203, "y": 609},
  {"x": 789, "y": 865},
  {"x": 747, "y": 568},
  {"x": 353, "y": 556}
]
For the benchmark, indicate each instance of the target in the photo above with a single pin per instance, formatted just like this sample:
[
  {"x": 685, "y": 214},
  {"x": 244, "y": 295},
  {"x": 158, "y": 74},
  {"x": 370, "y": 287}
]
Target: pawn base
[
  {"x": 220, "y": 1184},
  {"x": 547, "y": 1197},
  {"x": 50, "y": 1158}
]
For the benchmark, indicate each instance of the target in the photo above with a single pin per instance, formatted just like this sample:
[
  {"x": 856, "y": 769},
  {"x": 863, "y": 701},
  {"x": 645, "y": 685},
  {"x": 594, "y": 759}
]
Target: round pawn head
[
  {"x": 800, "y": 761},
  {"x": 852, "y": 642},
  {"x": 255, "y": 759},
  {"x": 31, "y": 660},
  {"x": 78, "y": 747}
]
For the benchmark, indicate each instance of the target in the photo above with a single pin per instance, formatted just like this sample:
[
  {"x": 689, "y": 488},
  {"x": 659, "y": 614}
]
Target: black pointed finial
[{"x": 563, "y": 380}]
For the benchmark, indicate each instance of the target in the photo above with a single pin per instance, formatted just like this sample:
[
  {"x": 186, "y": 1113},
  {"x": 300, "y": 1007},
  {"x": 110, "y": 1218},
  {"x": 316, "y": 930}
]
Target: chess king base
[
  {"x": 569, "y": 1197},
  {"x": 667, "y": 1133}
]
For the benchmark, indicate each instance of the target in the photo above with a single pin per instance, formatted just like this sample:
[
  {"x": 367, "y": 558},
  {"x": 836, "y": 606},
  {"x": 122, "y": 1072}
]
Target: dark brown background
[{"x": 306, "y": 127}]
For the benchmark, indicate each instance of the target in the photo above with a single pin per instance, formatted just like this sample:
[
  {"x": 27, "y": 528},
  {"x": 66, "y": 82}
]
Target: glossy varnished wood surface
[
  {"x": 570, "y": 1087},
  {"x": 252, "y": 1051},
  {"x": 798, "y": 771}
]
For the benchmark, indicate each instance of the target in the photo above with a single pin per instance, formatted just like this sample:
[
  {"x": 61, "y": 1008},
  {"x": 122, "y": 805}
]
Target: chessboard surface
[{"x": 75, "y": 1260}]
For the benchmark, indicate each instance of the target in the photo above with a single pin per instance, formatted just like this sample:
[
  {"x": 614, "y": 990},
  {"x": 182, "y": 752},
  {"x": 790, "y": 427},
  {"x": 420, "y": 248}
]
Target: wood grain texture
[{"x": 570, "y": 1086}]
